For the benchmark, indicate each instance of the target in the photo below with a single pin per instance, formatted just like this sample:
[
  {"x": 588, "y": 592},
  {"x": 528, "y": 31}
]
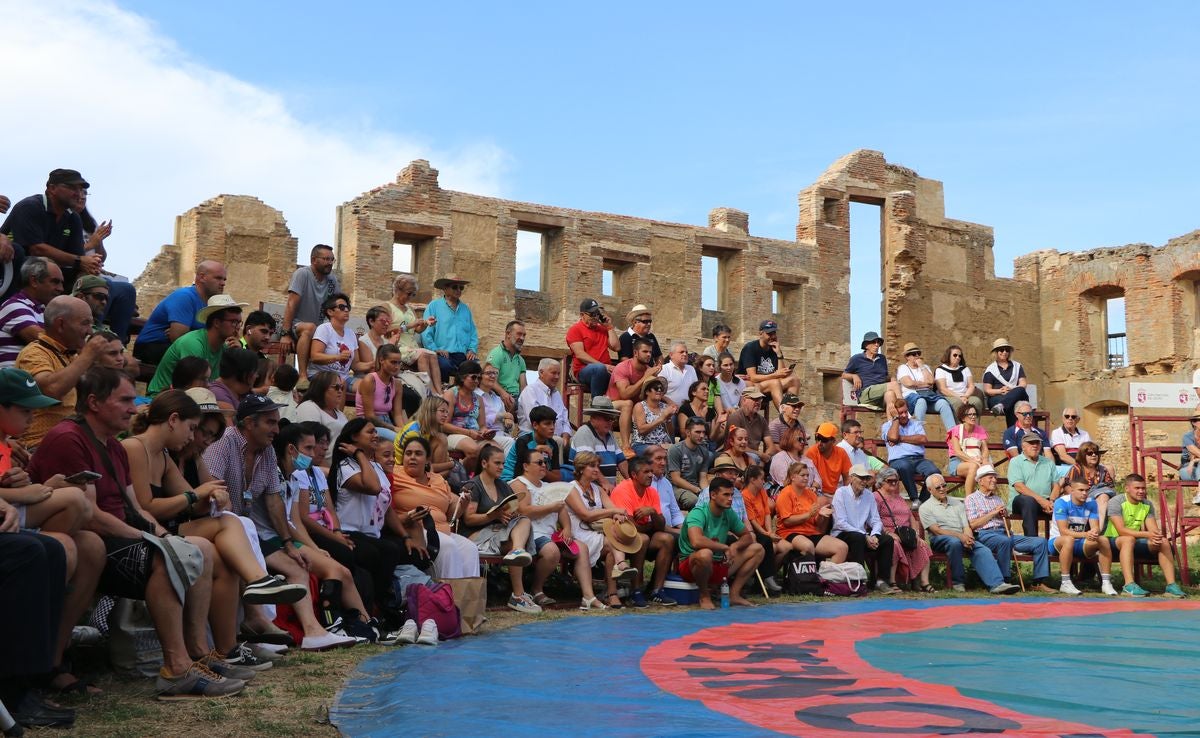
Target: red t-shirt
[
  {"x": 627, "y": 370},
  {"x": 67, "y": 450},
  {"x": 625, "y": 495},
  {"x": 595, "y": 343}
]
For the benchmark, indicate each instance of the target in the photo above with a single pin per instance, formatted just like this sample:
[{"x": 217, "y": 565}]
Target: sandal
[
  {"x": 615, "y": 605},
  {"x": 592, "y": 603},
  {"x": 928, "y": 588},
  {"x": 76, "y": 686},
  {"x": 623, "y": 571},
  {"x": 541, "y": 599}
]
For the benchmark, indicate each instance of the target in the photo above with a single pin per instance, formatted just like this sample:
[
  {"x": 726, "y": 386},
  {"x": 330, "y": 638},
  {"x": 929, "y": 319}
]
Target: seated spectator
[
  {"x": 1067, "y": 439},
  {"x": 894, "y": 511},
  {"x": 966, "y": 445},
  {"x": 1037, "y": 482},
  {"x": 706, "y": 374},
  {"x": 405, "y": 319},
  {"x": 21, "y": 315},
  {"x": 510, "y": 365},
  {"x": 954, "y": 381},
  {"x": 379, "y": 333},
  {"x": 209, "y": 429},
  {"x": 868, "y": 373},
  {"x": 221, "y": 319},
  {"x": 465, "y": 432},
  {"x": 855, "y": 446},
  {"x": 283, "y": 391},
  {"x": 628, "y": 380},
  {"x": 748, "y": 416},
  {"x": 856, "y": 522},
  {"x": 1134, "y": 532},
  {"x": 94, "y": 291},
  {"x": 1076, "y": 532},
  {"x": 596, "y": 436},
  {"x": 687, "y": 462},
  {"x": 531, "y": 468},
  {"x": 322, "y": 403},
  {"x": 310, "y": 287},
  {"x": 57, "y": 359},
  {"x": 731, "y": 386},
  {"x": 544, "y": 391},
  {"x": 238, "y": 376},
  {"x": 191, "y": 371},
  {"x": 763, "y": 364},
  {"x": 791, "y": 451},
  {"x": 495, "y": 415},
  {"x": 789, "y": 417},
  {"x": 451, "y": 329},
  {"x": 135, "y": 568},
  {"x": 949, "y": 531},
  {"x": 334, "y": 347},
  {"x": 377, "y": 396},
  {"x": 639, "y": 499},
  {"x": 1189, "y": 459},
  {"x": 1015, "y": 432},
  {"x": 905, "y": 438},
  {"x": 652, "y": 417},
  {"x": 589, "y": 507},
  {"x": 177, "y": 313},
  {"x": 832, "y": 463},
  {"x": 804, "y": 517},
  {"x": 112, "y": 355},
  {"x": 986, "y": 513},
  {"x": 919, "y": 390},
  {"x": 499, "y": 529},
  {"x": 257, "y": 331},
  {"x": 1004, "y": 382},
  {"x": 1098, "y": 478},
  {"x": 590, "y": 340},
  {"x": 678, "y": 374},
  {"x": 737, "y": 449},
  {"x": 543, "y": 420},
  {"x": 639, "y": 320},
  {"x": 723, "y": 467},
  {"x": 761, "y": 522},
  {"x": 722, "y": 335},
  {"x": 705, "y": 557},
  {"x": 427, "y": 423},
  {"x": 672, "y": 515},
  {"x": 699, "y": 407}
]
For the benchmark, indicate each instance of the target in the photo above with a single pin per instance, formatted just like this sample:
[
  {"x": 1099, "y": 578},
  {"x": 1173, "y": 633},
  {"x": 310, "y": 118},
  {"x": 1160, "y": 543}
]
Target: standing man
[
  {"x": 763, "y": 364},
  {"x": 986, "y": 513},
  {"x": 856, "y": 522},
  {"x": 592, "y": 339},
  {"x": 627, "y": 381},
  {"x": 945, "y": 519},
  {"x": 640, "y": 320},
  {"x": 906, "y": 440},
  {"x": 678, "y": 374},
  {"x": 868, "y": 372},
  {"x": 310, "y": 287},
  {"x": 222, "y": 320},
  {"x": 1066, "y": 439},
  {"x": 687, "y": 461},
  {"x": 21, "y": 315},
  {"x": 707, "y": 559},
  {"x": 544, "y": 391},
  {"x": 508, "y": 361},
  {"x": 451, "y": 332},
  {"x": 176, "y": 314}
]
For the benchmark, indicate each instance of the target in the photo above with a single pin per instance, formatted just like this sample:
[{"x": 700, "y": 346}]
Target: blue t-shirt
[
  {"x": 181, "y": 307},
  {"x": 1077, "y": 516},
  {"x": 1013, "y": 435},
  {"x": 510, "y": 459},
  {"x": 1189, "y": 439},
  {"x": 870, "y": 372}
]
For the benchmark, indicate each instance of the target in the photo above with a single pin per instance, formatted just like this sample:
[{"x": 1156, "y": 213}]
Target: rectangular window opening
[
  {"x": 1117, "y": 354},
  {"x": 775, "y": 302},
  {"x": 531, "y": 260},
  {"x": 712, "y": 283},
  {"x": 607, "y": 283},
  {"x": 866, "y": 270},
  {"x": 404, "y": 258}
]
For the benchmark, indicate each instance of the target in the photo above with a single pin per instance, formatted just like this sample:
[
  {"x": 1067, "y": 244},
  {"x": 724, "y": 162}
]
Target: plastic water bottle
[{"x": 724, "y": 594}]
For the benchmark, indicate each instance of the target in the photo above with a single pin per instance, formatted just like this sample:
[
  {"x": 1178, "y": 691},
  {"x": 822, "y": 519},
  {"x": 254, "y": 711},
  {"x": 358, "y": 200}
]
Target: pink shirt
[
  {"x": 383, "y": 397},
  {"x": 970, "y": 441}
]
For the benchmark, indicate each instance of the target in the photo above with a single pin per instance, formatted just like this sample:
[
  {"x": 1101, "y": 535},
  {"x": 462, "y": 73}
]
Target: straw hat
[
  {"x": 622, "y": 536},
  {"x": 1000, "y": 343},
  {"x": 216, "y": 303}
]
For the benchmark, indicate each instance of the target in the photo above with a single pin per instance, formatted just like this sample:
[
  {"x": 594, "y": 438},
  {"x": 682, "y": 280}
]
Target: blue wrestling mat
[{"x": 863, "y": 668}]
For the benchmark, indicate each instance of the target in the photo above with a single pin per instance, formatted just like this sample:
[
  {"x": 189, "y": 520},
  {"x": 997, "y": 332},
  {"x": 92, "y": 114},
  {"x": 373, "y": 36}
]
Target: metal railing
[{"x": 1116, "y": 351}]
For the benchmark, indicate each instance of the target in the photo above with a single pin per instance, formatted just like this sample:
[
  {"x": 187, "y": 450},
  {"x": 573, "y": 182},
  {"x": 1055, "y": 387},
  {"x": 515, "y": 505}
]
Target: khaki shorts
[
  {"x": 873, "y": 395},
  {"x": 491, "y": 539}
]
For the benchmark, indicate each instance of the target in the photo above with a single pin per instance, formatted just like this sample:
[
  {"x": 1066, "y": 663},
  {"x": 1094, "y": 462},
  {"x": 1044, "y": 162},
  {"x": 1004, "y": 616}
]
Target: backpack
[
  {"x": 800, "y": 575},
  {"x": 843, "y": 580},
  {"x": 434, "y": 602}
]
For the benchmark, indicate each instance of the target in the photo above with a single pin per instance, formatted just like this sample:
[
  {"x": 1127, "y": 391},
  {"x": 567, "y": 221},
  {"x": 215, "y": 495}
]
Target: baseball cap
[
  {"x": 827, "y": 430},
  {"x": 254, "y": 404},
  {"x": 791, "y": 399},
  {"x": 66, "y": 177},
  {"x": 1031, "y": 437},
  {"x": 88, "y": 282},
  {"x": 769, "y": 326},
  {"x": 18, "y": 387},
  {"x": 589, "y": 306},
  {"x": 754, "y": 393},
  {"x": 860, "y": 471}
]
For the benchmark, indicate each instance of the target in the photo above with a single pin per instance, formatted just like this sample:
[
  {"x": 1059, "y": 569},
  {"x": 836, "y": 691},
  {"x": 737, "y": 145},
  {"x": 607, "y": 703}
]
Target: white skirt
[
  {"x": 458, "y": 557},
  {"x": 594, "y": 540}
]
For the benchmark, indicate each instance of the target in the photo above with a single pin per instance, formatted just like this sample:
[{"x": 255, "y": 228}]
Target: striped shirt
[
  {"x": 16, "y": 314},
  {"x": 978, "y": 504}
]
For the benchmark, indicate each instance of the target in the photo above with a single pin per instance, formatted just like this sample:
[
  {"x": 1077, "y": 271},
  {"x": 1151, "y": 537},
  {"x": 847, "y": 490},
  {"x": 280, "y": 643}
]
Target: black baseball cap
[
  {"x": 254, "y": 404},
  {"x": 769, "y": 326},
  {"x": 589, "y": 306},
  {"x": 65, "y": 177}
]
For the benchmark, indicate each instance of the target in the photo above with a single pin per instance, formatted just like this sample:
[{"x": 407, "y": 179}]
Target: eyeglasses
[
  {"x": 971, "y": 415},
  {"x": 938, "y": 488},
  {"x": 340, "y": 306},
  {"x": 541, "y": 462},
  {"x": 1070, "y": 417},
  {"x": 472, "y": 376},
  {"x": 338, "y": 387},
  {"x": 491, "y": 374},
  {"x": 854, "y": 432},
  {"x": 643, "y": 321},
  {"x": 458, "y": 287},
  {"x": 891, "y": 481},
  {"x": 230, "y": 321}
]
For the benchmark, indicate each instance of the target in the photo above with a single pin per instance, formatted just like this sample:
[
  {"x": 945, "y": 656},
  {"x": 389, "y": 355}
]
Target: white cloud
[{"x": 92, "y": 87}]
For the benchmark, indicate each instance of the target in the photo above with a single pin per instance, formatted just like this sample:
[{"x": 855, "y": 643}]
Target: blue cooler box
[{"x": 685, "y": 593}]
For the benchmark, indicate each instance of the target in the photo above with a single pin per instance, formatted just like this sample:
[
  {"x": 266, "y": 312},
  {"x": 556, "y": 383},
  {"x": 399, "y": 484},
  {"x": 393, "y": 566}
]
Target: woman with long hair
[
  {"x": 706, "y": 371},
  {"x": 652, "y": 418},
  {"x": 544, "y": 518},
  {"x": 700, "y": 405},
  {"x": 427, "y": 423},
  {"x": 954, "y": 380},
  {"x": 322, "y": 402},
  {"x": 967, "y": 446},
  {"x": 404, "y": 318},
  {"x": 737, "y": 447},
  {"x": 465, "y": 431},
  {"x": 418, "y": 490},
  {"x": 378, "y": 396},
  {"x": 1099, "y": 479},
  {"x": 791, "y": 451}
]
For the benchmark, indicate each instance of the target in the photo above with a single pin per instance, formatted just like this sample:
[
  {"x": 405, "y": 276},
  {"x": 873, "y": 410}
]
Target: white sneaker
[
  {"x": 429, "y": 634},
  {"x": 325, "y": 642},
  {"x": 1107, "y": 588},
  {"x": 408, "y": 632},
  {"x": 1068, "y": 588}
]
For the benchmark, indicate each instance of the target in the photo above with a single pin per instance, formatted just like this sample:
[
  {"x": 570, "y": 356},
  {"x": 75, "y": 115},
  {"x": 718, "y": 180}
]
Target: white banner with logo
[{"x": 1162, "y": 395}]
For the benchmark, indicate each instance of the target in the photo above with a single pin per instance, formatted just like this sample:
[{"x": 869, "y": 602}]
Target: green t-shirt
[
  {"x": 510, "y": 368},
  {"x": 1133, "y": 514},
  {"x": 192, "y": 343},
  {"x": 716, "y": 527}
]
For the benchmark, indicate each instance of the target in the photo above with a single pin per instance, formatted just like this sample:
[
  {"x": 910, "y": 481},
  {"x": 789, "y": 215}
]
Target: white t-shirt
[
  {"x": 304, "y": 482},
  {"x": 335, "y": 343},
  {"x": 731, "y": 392},
  {"x": 957, "y": 388},
  {"x": 308, "y": 410},
  {"x": 359, "y": 512},
  {"x": 678, "y": 381},
  {"x": 916, "y": 375}
]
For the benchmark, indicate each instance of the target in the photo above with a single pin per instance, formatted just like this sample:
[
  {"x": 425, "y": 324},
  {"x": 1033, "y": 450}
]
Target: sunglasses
[
  {"x": 913, "y": 353},
  {"x": 491, "y": 374},
  {"x": 1024, "y": 415},
  {"x": 1092, "y": 453},
  {"x": 955, "y": 356},
  {"x": 1071, "y": 417},
  {"x": 338, "y": 387},
  {"x": 643, "y": 321},
  {"x": 472, "y": 376},
  {"x": 541, "y": 462},
  {"x": 97, "y": 296},
  {"x": 939, "y": 488},
  {"x": 341, "y": 306}
]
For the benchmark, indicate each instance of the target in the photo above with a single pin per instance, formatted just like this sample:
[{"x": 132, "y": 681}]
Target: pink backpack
[{"x": 434, "y": 602}]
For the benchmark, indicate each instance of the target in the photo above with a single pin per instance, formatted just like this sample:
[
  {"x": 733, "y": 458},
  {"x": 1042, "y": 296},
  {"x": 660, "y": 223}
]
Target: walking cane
[
  {"x": 761, "y": 583},
  {"x": 1013, "y": 551}
]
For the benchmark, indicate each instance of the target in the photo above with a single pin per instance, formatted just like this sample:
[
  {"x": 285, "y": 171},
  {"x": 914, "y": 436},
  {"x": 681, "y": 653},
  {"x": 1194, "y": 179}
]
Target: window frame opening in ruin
[
  {"x": 1116, "y": 350},
  {"x": 540, "y": 249},
  {"x": 787, "y": 310},
  {"x": 623, "y": 285},
  {"x": 421, "y": 241},
  {"x": 608, "y": 282},
  {"x": 713, "y": 260},
  {"x": 1189, "y": 286},
  {"x": 831, "y": 210},
  {"x": 1101, "y": 348},
  {"x": 869, "y": 254}
]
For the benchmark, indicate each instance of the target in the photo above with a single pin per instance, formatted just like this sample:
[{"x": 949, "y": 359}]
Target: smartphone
[
  {"x": 84, "y": 477},
  {"x": 792, "y": 367}
]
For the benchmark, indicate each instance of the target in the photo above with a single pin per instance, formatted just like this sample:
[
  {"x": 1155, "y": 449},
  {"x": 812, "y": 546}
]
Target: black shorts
[
  {"x": 126, "y": 568},
  {"x": 815, "y": 539}
]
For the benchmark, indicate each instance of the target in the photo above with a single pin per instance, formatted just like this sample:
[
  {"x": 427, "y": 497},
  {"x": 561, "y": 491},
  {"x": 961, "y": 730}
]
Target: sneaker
[
  {"x": 267, "y": 652},
  {"x": 326, "y": 642},
  {"x": 887, "y": 589},
  {"x": 360, "y": 629},
  {"x": 242, "y": 655},
  {"x": 517, "y": 557},
  {"x": 663, "y": 599},
  {"x": 1069, "y": 588},
  {"x": 1107, "y": 588},
  {"x": 997, "y": 409},
  {"x": 1133, "y": 590},
  {"x": 523, "y": 604},
  {"x": 772, "y": 585},
  {"x": 273, "y": 590},
  {"x": 408, "y": 632},
  {"x": 1174, "y": 590},
  {"x": 637, "y": 599},
  {"x": 958, "y": 588},
  {"x": 1004, "y": 588},
  {"x": 86, "y": 635},
  {"x": 198, "y": 682},
  {"x": 216, "y": 661},
  {"x": 429, "y": 634}
]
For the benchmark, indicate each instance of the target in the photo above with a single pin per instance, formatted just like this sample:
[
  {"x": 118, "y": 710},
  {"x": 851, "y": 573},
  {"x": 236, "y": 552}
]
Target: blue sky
[{"x": 1062, "y": 126}]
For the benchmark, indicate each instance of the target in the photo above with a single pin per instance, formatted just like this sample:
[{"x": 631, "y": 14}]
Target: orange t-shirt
[
  {"x": 5, "y": 456},
  {"x": 625, "y": 495},
  {"x": 758, "y": 508},
  {"x": 831, "y": 469},
  {"x": 789, "y": 503}
]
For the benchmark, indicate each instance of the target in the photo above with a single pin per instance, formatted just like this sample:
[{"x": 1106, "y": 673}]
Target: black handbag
[
  {"x": 801, "y": 575},
  {"x": 906, "y": 534}
]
